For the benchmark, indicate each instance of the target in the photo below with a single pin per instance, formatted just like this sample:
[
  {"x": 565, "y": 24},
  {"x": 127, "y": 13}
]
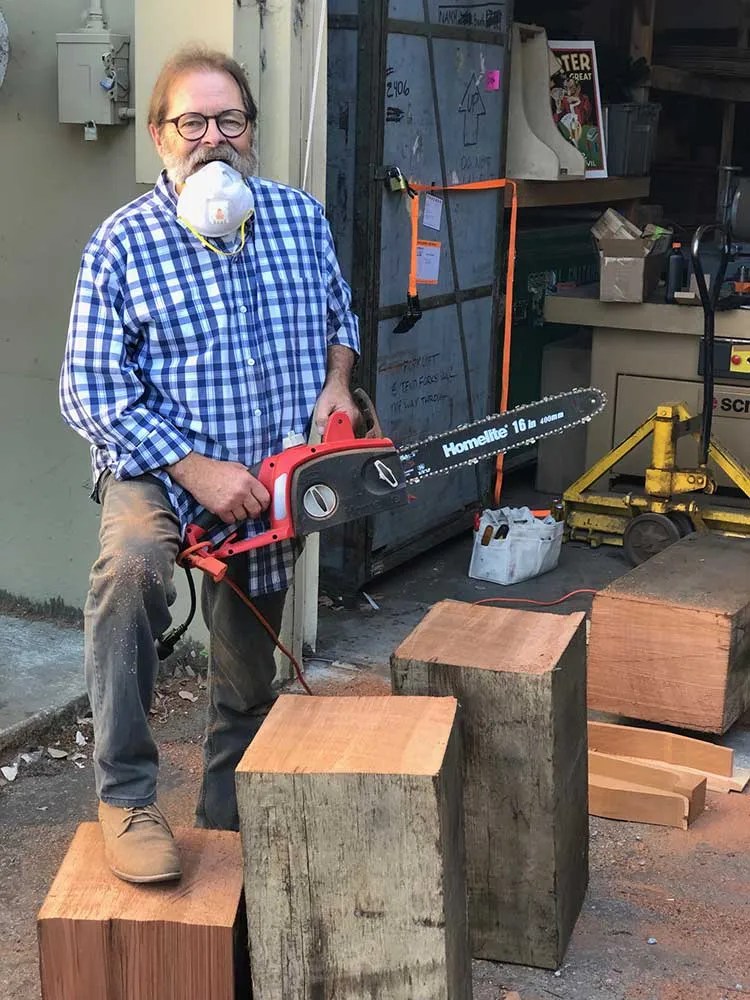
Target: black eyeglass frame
[{"x": 207, "y": 119}]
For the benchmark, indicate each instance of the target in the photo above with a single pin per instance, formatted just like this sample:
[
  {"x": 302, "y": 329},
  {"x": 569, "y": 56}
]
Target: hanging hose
[{"x": 709, "y": 299}]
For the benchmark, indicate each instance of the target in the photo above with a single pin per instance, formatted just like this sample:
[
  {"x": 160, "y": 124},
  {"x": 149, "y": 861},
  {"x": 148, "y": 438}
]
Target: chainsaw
[{"x": 345, "y": 477}]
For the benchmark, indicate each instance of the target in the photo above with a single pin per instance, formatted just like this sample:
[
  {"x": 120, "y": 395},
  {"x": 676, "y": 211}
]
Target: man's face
[{"x": 208, "y": 92}]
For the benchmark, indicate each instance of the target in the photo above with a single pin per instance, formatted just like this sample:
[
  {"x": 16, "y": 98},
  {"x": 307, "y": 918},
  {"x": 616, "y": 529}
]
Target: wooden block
[
  {"x": 691, "y": 787},
  {"x": 352, "y": 832},
  {"x": 670, "y": 640},
  {"x": 615, "y": 799},
  {"x": 520, "y": 679},
  {"x": 101, "y": 938}
]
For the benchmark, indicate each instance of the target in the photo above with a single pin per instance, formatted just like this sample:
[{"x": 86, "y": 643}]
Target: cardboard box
[{"x": 629, "y": 269}]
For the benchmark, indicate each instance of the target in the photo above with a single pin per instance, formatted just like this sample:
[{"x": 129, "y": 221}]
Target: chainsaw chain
[{"x": 517, "y": 411}]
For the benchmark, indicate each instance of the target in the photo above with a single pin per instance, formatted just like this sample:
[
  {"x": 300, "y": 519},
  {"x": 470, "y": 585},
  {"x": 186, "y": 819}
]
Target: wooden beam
[
  {"x": 100, "y": 937},
  {"x": 715, "y": 88},
  {"x": 544, "y": 194},
  {"x": 519, "y": 677},
  {"x": 352, "y": 833},
  {"x": 642, "y": 40}
]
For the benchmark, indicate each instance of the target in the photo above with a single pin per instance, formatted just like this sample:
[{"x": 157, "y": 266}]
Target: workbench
[{"x": 643, "y": 354}]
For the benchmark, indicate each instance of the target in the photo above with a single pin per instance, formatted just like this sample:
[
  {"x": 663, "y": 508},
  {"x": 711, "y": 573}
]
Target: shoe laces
[{"x": 143, "y": 814}]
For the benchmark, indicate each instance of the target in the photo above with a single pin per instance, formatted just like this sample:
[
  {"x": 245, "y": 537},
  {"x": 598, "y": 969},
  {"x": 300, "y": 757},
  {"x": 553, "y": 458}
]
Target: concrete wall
[{"x": 54, "y": 190}]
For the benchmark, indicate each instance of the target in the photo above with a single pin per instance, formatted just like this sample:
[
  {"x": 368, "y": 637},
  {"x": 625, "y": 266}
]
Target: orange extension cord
[{"x": 538, "y": 604}]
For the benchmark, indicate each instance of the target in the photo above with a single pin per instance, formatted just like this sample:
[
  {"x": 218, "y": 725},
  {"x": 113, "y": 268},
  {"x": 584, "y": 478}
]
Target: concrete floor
[
  {"x": 41, "y": 668},
  {"x": 688, "y": 892}
]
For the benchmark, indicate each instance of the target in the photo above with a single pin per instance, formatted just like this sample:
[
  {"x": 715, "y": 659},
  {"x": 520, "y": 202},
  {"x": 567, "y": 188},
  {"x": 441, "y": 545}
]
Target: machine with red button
[{"x": 677, "y": 500}]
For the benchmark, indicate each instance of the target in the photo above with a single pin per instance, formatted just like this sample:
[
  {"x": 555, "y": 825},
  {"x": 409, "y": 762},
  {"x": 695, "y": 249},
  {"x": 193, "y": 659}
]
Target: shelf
[
  {"x": 717, "y": 88},
  {"x": 547, "y": 194}
]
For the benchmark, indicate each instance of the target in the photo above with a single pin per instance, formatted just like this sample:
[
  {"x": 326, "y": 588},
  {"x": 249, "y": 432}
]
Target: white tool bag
[{"x": 511, "y": 545}]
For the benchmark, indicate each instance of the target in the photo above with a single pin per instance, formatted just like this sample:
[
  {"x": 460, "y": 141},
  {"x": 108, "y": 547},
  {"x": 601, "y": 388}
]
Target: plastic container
[
  {"x": 511, "y": 545},
  {"x": 631, "y": 138},
  {"x": 676, "y": 272}
]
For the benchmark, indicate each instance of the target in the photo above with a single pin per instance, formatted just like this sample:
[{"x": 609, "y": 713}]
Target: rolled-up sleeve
[
  {"x": 342, "y": 325},
  {"x": 101, "y": 393}
]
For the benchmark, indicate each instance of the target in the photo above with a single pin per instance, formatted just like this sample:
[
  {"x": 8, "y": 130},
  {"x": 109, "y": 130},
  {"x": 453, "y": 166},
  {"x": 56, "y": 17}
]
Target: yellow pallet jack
[{"x": 673, "y": 501}]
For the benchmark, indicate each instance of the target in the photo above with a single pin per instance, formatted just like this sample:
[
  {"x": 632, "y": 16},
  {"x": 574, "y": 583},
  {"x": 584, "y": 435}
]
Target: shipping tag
[
  {"x": 428, "y": 262},
  {"x": 433, "y": 211}
]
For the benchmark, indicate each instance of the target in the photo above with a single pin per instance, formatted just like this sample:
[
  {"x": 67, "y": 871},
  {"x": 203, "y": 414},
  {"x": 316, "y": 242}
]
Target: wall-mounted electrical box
[{"x": 92, "y": 77}]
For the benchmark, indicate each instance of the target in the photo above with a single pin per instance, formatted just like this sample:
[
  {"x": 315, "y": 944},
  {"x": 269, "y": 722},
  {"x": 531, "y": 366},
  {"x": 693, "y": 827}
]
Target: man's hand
[
  {"x": 227, "y": 489},
  {"x": 336, "y": 396}
]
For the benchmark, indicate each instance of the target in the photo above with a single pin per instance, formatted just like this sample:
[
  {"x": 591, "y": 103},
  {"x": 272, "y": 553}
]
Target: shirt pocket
[{"x": 186, "y": 325}]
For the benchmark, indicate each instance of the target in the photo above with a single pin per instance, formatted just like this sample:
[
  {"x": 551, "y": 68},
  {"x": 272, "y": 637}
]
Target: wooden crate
[
  {"x": 519, "y": 677},
  {"x": 101, "y": 938},
  {"x": 670, "y": 640},
  {"x": 352, "y": 832}
]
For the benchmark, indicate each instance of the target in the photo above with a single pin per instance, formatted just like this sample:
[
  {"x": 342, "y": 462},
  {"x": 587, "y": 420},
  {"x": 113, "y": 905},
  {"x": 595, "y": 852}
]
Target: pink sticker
[{"x": 492, "y": 79}]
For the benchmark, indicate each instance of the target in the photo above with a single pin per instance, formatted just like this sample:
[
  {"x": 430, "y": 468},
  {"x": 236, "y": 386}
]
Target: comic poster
[{"x": 576, "y": 105}]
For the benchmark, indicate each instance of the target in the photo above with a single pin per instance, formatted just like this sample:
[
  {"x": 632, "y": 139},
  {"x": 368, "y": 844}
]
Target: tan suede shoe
[{"x": 138, "y": 844}]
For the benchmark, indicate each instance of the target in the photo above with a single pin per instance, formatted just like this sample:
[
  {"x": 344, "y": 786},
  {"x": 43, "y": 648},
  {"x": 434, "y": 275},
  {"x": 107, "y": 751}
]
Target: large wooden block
[
  {"x": 352, "y": 834},
  {"x": 104, "y": 939},
  {"x": 670, "y": 640},
  {"x": 520, "y": 678}
]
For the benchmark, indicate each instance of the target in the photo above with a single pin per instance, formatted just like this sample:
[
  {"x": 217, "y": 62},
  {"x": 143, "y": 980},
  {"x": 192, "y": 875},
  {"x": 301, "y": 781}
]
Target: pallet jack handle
[{"x": 709, "y": 299}]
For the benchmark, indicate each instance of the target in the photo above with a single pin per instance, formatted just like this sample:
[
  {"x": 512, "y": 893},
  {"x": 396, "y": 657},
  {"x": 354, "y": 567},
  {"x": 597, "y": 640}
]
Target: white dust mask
[{"x": 215, "y": 201}]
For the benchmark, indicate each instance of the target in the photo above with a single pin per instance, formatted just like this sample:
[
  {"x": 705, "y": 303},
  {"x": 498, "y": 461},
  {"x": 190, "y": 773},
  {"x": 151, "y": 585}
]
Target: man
[{"x": 209, "y": 317}]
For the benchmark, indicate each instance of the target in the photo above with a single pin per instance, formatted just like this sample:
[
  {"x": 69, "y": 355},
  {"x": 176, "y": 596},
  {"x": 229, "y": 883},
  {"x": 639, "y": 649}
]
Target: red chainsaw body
[{"x": 278, "y": 473}]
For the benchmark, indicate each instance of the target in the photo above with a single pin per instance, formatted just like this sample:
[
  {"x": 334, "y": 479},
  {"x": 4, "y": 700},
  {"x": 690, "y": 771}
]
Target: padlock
[{"x": 395, "y": 180}]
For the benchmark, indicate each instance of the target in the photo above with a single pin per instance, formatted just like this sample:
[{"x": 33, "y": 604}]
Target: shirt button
[
  {"x": 251, "y": 361},
  {"x": 243, "y": 309},
  {"x": 257, "y": 412}
]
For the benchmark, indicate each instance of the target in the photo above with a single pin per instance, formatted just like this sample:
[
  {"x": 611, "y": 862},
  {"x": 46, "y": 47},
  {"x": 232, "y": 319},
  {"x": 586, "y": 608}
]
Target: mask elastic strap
[{"x": 210, "y": 246}]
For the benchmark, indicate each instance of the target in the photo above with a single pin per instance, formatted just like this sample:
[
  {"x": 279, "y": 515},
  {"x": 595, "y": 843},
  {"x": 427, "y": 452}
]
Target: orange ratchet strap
[{"x": 508, "y": 325}]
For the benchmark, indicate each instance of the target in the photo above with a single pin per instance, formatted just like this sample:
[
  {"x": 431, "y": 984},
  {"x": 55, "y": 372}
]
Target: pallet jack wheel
[
  {"x": 683, "y": 521},
  {"x": 647, "y": 534}
]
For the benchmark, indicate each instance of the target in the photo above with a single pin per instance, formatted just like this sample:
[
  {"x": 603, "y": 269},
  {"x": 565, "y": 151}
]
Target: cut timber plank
[
  {"x": 101, "y": 938},
  {"x": 655, "y": 744},
  {"x": 693, "y": 787},
  {"x": 520, "y": 678},
  {"x": 635, "y": 803},
  {"x": 714, "y": 782},
  {"x": 353, "y": 841},
  {"x": 670, "y": 640}
]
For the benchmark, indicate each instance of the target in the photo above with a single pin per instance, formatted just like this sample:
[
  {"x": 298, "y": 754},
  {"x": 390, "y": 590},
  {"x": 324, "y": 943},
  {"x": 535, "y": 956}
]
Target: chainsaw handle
[{"x": 207, "y": 520}]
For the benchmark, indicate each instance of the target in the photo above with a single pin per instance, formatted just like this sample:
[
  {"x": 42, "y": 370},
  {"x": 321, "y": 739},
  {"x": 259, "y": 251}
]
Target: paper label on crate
[
  {"x": 433, "y": 211},
  {"x": 428, "y": 262}
]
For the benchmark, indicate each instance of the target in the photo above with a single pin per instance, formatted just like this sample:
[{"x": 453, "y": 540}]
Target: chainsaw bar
[{"x": 484, "y": 438}]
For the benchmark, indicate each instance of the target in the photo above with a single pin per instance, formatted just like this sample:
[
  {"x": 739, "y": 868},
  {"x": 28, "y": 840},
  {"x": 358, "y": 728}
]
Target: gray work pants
[{"x": 131, "y": 590}]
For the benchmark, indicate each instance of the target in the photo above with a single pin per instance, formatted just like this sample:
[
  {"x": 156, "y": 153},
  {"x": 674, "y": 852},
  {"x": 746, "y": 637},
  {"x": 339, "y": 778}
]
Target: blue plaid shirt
[{"x": 173, "y": 348}]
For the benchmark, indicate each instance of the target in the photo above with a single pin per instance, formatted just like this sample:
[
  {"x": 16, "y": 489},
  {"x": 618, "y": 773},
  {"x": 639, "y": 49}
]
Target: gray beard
[{"x": 179, "y": 168}]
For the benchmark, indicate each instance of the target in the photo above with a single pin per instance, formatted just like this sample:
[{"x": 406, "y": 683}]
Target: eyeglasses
[{"x": 192, "y": 125}]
